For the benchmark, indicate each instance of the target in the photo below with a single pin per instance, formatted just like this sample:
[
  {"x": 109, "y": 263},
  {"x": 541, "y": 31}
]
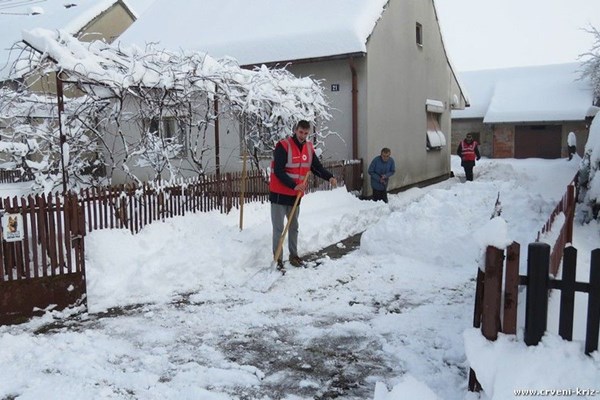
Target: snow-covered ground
[{"x": 172, "y": 314}]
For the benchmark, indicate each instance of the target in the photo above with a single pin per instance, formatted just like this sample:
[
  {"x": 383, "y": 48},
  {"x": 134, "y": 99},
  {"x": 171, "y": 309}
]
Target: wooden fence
[
  {"x": 43, "y": 263},
  {"x": 12, "y": 176},
  {"x": 565, "y": 206},
  {"x": 133, "y": 207},
  {"x": 496, "y": 301}
]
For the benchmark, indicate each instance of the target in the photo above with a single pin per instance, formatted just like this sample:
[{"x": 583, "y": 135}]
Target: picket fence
[
  {"x": 46, "y": 267},
  {"x": 13, "y": 176},
  {"x": 132, "y": 207},
  {"x": 497, "y": 285}
]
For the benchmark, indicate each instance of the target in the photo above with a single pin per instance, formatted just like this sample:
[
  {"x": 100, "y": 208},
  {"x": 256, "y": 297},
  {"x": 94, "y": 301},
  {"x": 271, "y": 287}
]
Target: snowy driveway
[{"x": 395, "y": 307}]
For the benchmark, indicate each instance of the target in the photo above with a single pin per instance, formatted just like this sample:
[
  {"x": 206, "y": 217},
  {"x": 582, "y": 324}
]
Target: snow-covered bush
[
  {"x": 30, "y": 140},
  {"x": 589, "y": 178},
  {"x": 589, "y": 175}
]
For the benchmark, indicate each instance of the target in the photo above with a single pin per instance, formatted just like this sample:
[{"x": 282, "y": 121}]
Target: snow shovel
[
  {"x": 266, "y": 277},
  {"x": 279, "y": 249}
]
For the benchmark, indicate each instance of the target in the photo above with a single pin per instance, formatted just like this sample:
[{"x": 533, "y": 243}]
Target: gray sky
[{"x": 482, "y": 34}]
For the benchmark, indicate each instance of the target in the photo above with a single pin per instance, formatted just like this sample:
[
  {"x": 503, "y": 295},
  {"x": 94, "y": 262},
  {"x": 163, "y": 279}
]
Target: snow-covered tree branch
[
  {"x": 591, "y": 62},
  {"x": 155, "y": 109}
]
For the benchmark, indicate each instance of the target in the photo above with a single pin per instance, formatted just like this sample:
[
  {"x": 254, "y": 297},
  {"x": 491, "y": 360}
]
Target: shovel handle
[{"x": 289, "y": 220}]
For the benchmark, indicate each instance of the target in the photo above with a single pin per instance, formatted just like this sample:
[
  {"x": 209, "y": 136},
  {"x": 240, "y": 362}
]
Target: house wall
[
  {"x": 338, "y": 145},
  {"x": 183, "y": 164},
  {"x": 503, "y": 141},
  {"x": 498, "y": 140},
  {"x": 402, "y": 75},
  {"x": 460, "y": 128},
  {"x": 108, "y": 25}
]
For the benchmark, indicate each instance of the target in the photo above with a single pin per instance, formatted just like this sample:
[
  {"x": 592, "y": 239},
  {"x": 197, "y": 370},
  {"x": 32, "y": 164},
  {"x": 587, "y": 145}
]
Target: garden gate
[{"x": 41, "y": 256}]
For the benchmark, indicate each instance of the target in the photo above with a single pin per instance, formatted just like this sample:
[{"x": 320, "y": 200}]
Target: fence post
[
  {"x": 492, "y": 293},
  {"x": 473, "y": 383},
  {"x": 570, "y": 214},
  {"x": 567, "y": 294},
  {"x": 511, "y": 289},
  {"x": 536, "y": 310},
  {"x": 228, "y": 192},
  {"x": 593, "y": 314}
]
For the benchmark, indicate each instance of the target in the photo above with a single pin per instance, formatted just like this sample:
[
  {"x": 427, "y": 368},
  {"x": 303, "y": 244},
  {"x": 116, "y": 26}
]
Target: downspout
[
  {"x": 354, "y": 109},
  {"x": 217, "y": 144}
]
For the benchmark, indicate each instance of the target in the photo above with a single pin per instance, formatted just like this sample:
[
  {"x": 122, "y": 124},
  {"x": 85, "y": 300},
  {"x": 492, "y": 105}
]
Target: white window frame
[
  {"x": 419, "y": 34},
  {"x": 436, "y": 139}
]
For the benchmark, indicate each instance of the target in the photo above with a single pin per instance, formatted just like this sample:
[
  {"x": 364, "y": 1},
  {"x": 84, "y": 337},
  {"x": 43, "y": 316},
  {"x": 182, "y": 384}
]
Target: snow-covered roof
[
  {"x": 70, "y": 16},
  {"x": 259, "y": 31},
  {"x": 528, "y": 94}
]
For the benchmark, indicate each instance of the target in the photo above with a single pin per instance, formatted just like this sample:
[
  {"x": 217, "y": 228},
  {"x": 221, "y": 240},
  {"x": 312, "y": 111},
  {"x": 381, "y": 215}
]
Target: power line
[{"x": 8, "y": 4}]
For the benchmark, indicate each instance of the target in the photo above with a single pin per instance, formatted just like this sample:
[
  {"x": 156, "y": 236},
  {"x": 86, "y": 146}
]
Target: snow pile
[{"x": 391, "y": 320}]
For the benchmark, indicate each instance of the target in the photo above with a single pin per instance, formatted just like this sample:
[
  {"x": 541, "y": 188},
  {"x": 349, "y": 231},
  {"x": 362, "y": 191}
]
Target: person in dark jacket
[
  {"x": 293, "y": 158},
  {"x": 468, "y": 151},
  {"x": 380, "y": 170}
]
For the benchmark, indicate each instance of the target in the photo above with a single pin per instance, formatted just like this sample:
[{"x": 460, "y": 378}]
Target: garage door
[{"x": 538, "y": 141}]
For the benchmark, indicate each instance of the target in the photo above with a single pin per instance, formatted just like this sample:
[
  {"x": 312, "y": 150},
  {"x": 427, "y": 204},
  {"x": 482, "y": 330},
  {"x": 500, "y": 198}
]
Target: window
[
  {"x": 258, "y": 140},
  {"x": 419, "y": 34},
  {"x": 172, "y": 131},
  {"x": 435, "y": 137}
]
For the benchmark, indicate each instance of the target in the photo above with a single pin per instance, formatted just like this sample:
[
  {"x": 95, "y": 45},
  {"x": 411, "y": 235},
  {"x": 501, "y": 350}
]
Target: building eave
[{"x": 307, "y": 60}]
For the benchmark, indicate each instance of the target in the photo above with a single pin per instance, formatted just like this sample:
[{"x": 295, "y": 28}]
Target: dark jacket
[
  {"x": 379, "y": 168},
  {"x": 279, "y": 161}
]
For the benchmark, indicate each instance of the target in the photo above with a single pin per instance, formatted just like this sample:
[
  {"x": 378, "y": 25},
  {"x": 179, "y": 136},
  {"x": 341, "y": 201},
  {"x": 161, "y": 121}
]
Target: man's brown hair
[{"x": 304, "y": 124}]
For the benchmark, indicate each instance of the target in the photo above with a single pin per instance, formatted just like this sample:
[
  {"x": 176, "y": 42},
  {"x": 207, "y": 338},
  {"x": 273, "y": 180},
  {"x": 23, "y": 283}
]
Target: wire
[{"x": 8, "y": 4}]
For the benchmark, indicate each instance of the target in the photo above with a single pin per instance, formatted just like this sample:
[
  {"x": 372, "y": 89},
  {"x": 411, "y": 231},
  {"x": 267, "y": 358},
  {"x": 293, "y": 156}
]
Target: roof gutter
[{"x": 305, "y": 60}]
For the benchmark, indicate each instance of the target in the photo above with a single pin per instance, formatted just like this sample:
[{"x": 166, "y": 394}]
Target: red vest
[
  {"x": 468, "y": 150},
  {"x": 297, "y": 165}
]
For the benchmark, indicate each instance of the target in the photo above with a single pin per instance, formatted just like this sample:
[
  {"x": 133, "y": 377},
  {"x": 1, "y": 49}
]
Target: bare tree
[{"x": 590, "y": 66}]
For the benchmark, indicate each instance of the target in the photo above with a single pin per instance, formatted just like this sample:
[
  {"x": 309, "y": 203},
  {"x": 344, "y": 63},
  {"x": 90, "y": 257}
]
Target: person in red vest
[
  {"x": 468, "y": 151},
  {"x": 293, "y": 158}
]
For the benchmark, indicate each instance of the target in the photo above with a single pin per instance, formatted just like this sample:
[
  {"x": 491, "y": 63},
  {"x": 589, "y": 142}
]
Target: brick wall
[{"x": 504, "y": 141}]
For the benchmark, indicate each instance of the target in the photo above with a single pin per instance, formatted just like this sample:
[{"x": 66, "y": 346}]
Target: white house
[
  {"x": 383, "y": 62},
  {"x": 85, "y": 19}
]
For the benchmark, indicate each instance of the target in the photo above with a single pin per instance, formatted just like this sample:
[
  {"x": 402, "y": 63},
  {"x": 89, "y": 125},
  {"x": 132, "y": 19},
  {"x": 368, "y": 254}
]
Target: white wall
[{"x": 401, "y": 77}]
